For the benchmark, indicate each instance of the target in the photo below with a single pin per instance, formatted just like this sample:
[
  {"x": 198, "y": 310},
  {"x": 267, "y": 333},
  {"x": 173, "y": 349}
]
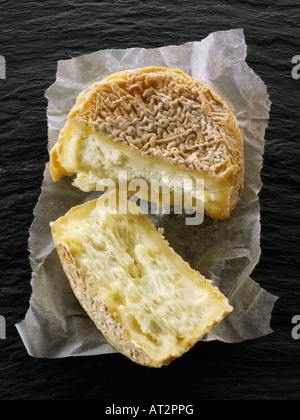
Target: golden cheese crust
[{"x": 165, "y": 113}]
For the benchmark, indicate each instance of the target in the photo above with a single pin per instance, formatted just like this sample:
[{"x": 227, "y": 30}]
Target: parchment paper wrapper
[{"x": 223, "y": 251}]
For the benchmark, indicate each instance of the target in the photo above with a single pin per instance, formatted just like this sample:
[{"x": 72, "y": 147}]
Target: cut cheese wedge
[
  {"x": 148, "y": 303},
  {"x": 154, "y": 123}
]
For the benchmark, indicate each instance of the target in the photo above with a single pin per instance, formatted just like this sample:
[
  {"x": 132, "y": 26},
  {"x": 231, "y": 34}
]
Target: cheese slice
[
  {"x": 148, "y": 303},
  {"x": 155, "y": 124}
]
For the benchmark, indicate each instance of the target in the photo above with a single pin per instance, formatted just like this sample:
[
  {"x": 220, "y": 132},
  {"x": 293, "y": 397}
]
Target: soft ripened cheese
[
  {"x": 163, "y": 305},
  {"x": 170, "y": 126},
  {"x": 95, "y": 159}
]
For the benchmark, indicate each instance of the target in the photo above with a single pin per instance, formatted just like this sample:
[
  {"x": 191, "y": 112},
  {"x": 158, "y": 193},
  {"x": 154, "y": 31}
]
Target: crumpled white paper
[{"x": 223, "y": 251}]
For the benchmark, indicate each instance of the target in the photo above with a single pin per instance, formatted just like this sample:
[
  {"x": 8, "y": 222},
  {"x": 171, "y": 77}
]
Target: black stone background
[{"x": 34, "y": 35}]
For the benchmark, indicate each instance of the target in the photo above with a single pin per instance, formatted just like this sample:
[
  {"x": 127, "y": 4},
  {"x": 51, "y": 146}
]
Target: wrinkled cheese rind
[{"x": 162, "y": 114}]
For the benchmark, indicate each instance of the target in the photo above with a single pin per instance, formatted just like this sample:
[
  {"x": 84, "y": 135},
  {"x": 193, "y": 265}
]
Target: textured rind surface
[
  {"x": 91, "y": 301},
  {"x": 164, "y": 113}
]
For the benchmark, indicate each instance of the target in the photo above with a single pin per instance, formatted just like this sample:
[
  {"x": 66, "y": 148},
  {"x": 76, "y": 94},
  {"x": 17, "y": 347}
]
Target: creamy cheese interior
[
  {"x": 95, "y": 158},
  {"x": 161, "y": 302}
]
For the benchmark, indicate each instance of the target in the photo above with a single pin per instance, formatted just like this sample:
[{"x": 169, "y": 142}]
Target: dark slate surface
[{"x": 34, "y": 35}]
